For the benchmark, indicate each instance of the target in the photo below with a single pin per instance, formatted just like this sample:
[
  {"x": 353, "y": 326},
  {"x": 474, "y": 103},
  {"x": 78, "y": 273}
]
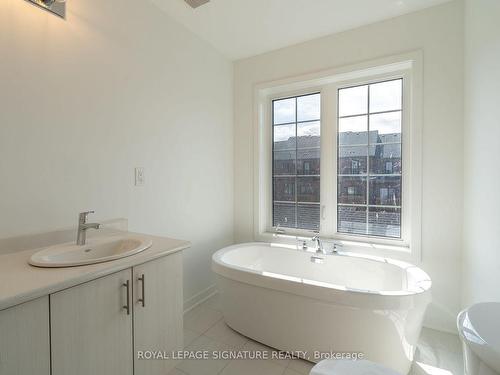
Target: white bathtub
[{"x": 347, "y": 304}]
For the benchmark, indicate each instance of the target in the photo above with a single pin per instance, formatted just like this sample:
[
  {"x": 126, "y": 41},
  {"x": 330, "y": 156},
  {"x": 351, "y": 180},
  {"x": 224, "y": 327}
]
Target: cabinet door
[
  {"x": 91, "y": 332},
  {"x": 157, "y": 311},
  {"x": 24, "y": 339}
]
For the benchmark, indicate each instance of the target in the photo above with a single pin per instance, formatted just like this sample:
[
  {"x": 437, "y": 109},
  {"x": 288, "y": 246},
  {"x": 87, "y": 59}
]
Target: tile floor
[{"x": 204, "y": 329}]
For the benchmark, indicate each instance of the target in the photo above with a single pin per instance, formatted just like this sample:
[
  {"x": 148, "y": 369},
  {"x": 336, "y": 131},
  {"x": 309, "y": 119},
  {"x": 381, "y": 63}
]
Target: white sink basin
[{"x": 97, "y": 250}]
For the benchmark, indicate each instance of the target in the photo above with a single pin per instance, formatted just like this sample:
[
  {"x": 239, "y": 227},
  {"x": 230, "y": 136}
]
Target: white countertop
[{"x": 21, "y": 282}]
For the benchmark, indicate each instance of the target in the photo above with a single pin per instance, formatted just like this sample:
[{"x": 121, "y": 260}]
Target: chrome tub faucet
[
  {"x": 320, "y": 248},
  {"x": 319, "y": 244}
]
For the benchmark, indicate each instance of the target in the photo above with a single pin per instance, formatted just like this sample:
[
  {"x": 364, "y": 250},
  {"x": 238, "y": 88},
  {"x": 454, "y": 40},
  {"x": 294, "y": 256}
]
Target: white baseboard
[{"x": 199, "y": 298}]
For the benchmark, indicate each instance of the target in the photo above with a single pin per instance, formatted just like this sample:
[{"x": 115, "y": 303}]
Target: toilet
[
  {"x": 479, "y": 329},
  {"x": 349, "y": 367}
]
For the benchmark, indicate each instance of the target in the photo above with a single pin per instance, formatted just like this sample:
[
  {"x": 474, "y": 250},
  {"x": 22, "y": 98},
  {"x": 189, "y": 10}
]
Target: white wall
[
  {"x": 481, "y": 266},
  {"x": 84, "y": 101},
  {"x": 438, "y": 32}
]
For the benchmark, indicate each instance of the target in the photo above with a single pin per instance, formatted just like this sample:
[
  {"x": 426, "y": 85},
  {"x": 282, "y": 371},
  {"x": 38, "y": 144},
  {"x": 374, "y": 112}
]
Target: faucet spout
[{"x": 91, "y": 226}]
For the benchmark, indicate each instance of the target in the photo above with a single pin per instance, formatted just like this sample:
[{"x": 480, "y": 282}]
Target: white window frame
[{"x": 409, "y": 68}]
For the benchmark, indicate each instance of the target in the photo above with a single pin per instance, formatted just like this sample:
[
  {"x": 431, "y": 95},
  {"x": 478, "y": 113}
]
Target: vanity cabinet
[
  {"x": 24, "y": 339},
  {"x": 158, "y": 309},
  {"x": 91, "y": 332},
  {"x": 98, "y": 327}
]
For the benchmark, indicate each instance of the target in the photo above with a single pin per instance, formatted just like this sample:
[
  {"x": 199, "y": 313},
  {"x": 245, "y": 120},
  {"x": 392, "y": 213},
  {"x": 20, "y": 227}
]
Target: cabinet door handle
[
  {"x": 142, "y": 300},
  {"x": 127, "y": 306}
]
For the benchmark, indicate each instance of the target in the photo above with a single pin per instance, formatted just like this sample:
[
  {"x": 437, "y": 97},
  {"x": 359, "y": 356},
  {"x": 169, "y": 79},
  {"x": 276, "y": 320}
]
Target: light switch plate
[{"x": 139, "y": 176}]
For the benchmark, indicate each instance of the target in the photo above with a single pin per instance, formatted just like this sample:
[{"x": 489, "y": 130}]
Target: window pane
[
  {"x": 386, "y": 96},
  {"x": 308, "y": 107},
  {"x": 308, "y": 134},
  {"x": 284, "y": 189},
  {"x": 284, "y": 111},
  {"x": 284, "y": 215},
  {"x": 384, "y": 222},
  {"x": 353, "y": 130},
  {"x": 296, "y": 162},
  {"x": 352, "y": 190},
  {"x": 284, "y": 162},
  {"x": 385, "y": 191},
  {"x": 370, "y": 132},
  {"x": 284, "y": 137},
  {"x": 308, "y": 216},
  {"x": 387, "y": 126},
  {"x": 352, "y": 160},
  {"x": 353, "y": 101},
  {"x": 351, "y": 219},
  {"x": 385, "y": 159},
  {"x": 308, "y": 189},
  {"x": 308, "y": 161}
]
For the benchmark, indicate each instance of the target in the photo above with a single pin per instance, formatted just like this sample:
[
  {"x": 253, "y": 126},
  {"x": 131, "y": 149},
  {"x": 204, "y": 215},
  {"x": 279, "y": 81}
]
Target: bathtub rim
[{"x": 249, "y": 276}]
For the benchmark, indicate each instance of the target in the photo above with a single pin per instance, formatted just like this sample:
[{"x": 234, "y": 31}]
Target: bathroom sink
[{"x": 96, "y": 250}]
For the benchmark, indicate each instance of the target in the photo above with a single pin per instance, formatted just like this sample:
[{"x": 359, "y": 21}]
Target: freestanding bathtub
[{"x": 343, "y": 305}]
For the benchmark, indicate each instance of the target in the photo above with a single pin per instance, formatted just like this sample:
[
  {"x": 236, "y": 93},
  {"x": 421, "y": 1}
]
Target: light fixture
[
  {"x": 196, "y": 3},
  {"x": 57, "y": 7}
]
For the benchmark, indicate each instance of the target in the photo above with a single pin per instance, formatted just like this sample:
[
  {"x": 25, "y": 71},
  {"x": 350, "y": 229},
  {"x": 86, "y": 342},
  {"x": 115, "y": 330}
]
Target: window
[
  {"x": 355, "y": 166},
  {"x": 296, "y": 162},
  {"x": 340, "y": 153},
  {"x": 369, "y": 167},
  {"x": 369, "y": 159},
  {"x": 388, "y": 167}
]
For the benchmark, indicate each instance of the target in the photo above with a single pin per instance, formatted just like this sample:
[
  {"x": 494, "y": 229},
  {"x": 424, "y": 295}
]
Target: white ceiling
[{"x": 243, "y": 28}]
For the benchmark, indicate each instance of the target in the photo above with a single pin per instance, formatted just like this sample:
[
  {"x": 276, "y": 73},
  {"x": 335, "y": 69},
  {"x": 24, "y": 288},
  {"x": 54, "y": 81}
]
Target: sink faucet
[{"x": 83, "y": 226}]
